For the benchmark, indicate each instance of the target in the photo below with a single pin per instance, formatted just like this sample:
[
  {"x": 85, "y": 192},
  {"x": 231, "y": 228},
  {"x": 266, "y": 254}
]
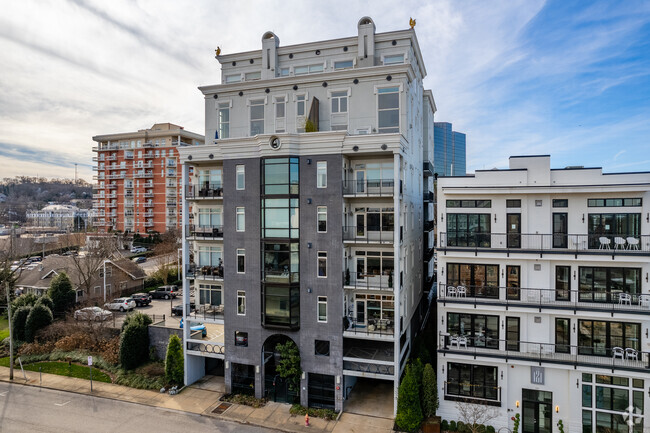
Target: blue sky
[{"x": 570, "y": 79}]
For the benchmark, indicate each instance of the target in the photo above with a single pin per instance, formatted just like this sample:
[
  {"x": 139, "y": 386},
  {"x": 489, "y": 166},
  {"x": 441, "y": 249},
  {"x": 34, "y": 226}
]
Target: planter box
[{"x": 431, "y": 425}]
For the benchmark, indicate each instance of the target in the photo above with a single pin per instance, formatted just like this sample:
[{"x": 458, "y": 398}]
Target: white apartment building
[
  {"x": 543, "y": 296},
  {"x": 303, "y": 219}
]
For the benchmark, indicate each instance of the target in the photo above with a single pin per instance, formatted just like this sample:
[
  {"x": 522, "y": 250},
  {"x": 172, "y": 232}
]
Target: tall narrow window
[
  {"x": 322, "y": 264},
  {"x": 240, "y": 219},
  {"x": 240, "y": 177},
  {"x": 388, "y": 109},
  {"x": 562, "y": 283},
  {"x": 280, "y": 114},
  {"x": 339, "y": 119},
  {"x": 241, "y": 260},
  {"x": 301, "y": 109},
  {"x": 512, "y": 333},
  {"x": 562, "y": 336},
  {"x": 241, "y": 303},
  {"x": 322, "y": 309},
  {"x": 321, "y": 174},
  {"x": 223, "y": 117},
  {"x": 322, "y": 219},
  {"x": 257, "y": 116}
]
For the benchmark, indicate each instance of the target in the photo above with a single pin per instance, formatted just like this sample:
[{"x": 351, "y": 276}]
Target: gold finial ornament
[
  {"x": 218, "y": 51},
  {"x": 412, "y": 22}
]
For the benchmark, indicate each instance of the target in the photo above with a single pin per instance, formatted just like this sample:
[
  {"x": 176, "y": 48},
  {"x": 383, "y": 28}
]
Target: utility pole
[{"x": 11, "y": 332}]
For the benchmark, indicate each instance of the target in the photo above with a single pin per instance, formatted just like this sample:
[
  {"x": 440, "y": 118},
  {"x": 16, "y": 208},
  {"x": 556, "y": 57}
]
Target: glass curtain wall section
[{"x": 280, "y": 232}]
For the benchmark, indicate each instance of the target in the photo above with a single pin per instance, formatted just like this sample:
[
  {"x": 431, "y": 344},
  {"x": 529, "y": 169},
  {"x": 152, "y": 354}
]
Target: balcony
[
  {"x": 149, "y": 204},
  {"x": 369, "y": 188},
  {"x": 112, "y": 205},
  {"x": 359, "y": 280},
  {"x": 99, "y": 196},
  {"x": 206, "y": 191},
  {"x": 112, "y": 186},
  {"x": 359, "y": 234},
  {"x": 148, "y": 155},
  {"x": 101, "y": 223},
  {"x": 380, "y": 329},
  {"x": 148, "y": 195},
  {"x": 204, "y": 232},
  {"x": 172, "y": 194},
  {"x": 546, "y": 243},
  {"x": 143, "y": 174},
  {"x": 193, "y": 271},
  {"x": 111, "y": 158},
  {"x": 148, "y": 184},
  {"x": 171, "y": 203},
  {"x": 427, "y": 168},
  {"x": 116, "y": 176},
  {"x": 205, "y": 312},
  {"x": 615, "y": 301},
  {"x": 180, "y": 143},
  {"x": 617, "y": 358},
  {"x": 147, "y": 165},
  {"x": 171, "y": 174},
  {"x": 128, "y": 204},
  {"x": 148, "y": 224},
  {"x": 128, "y": 156},
  {"x": 148, "y": 214}
]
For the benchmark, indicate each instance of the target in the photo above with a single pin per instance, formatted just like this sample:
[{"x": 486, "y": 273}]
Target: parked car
[
  {"x": 35, "y": 259},
  {"x": 164, "y": 292},
  {"x": 198, "y": 327},
  {"x": 177, "y": 310},
  {"x": 141, "y": 259},
  {"x": 92, "y": 313},
  {"x": 137, "y": 250},
  {"x": 121, "y": 304},
  {"x": 141, "y": 299}
]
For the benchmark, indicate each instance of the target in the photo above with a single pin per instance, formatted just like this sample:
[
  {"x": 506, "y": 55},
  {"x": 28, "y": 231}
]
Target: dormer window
[{"x": 394, "y": 59}]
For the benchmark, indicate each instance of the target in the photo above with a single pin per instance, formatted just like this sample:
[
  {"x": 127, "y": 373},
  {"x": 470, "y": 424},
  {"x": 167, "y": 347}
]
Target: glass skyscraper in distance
[{"x": 448, "y": 151}]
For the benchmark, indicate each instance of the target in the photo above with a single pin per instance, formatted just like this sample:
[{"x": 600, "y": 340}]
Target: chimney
[{"x": 366, "y": 51}]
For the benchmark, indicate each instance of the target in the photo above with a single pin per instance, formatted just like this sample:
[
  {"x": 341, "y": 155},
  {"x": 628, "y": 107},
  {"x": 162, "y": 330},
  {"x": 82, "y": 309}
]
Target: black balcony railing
[
  {"x": 609, "y": 301},
  {"x": 370, "y": 327},
  {"x": 361, "y": 280},
  {"x": 624, "y": 358},
  {"x": 205, "y": 311},
  {"x": 207, "y": 347},
  {"x": 473, "y": 393},
  {"x": 369, "y": 187},
  {"x": 204, "y": 232},
  {"x": 369, "y": 367},
  {"x": 367, "y": 234},
  {"x": 537, "y": 242},
  {"x": 204, "y": 272},
  {"x": 206, "y": 190}
]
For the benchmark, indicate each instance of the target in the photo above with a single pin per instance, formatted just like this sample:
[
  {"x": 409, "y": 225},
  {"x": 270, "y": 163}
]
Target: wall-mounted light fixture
[
  {"x": 577, "y": 383},
  {"x": 646, "y": 332},
  {"x": 495, "y": 217},
  {"x": 443, "y": 368},
  {"x": 583, "y": 217},
  {"x": 442, "y": 272},
  {"x": 574, "y": 274},
  {"x": 502, "y": 325},
  {"x": 442, "y": 217},
  {"x": 574, "y": 326},
  {"x": 646, "y": 277},
  {"x": 501, "y": 374},
  {"x": 647, "y": 217},
  {"x": 517, "y": 404},
  {"x": 557, "y": 409}
]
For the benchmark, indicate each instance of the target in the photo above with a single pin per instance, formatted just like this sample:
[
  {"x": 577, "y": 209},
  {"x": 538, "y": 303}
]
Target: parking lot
[{"x": 156, "y": 309}]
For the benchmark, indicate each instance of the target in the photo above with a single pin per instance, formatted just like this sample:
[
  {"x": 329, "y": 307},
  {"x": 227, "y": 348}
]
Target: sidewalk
[{"x": 203, "y": 400}]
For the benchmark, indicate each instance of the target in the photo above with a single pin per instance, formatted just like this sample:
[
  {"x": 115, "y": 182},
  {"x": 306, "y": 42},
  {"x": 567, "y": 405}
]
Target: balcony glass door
[
  {"x": 514, "y": 230},
  {"x": 361, "y": 311},
  {"x": 560, "y": 230},
  {"x": 361, "y": 225},
  {"x": 360, "y": 177}
]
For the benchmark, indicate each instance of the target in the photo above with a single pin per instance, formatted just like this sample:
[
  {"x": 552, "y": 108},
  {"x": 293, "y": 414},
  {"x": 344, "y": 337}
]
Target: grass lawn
[
  {"x": 63, "y": 369},
  {"x": 4, "y": 328}
]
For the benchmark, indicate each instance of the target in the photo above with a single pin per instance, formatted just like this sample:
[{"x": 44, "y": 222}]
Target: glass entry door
[
  {"x": 514, "y": 230},
  {"x": 537, "y": 411}
]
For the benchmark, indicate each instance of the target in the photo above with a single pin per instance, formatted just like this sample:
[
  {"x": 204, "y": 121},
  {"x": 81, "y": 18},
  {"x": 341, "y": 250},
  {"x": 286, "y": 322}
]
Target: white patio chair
[
  {"x": 462, "y": 341},
  {"x": 453, "y": 340},
  {"x": 625, "y": 298},
  {"x": 631, "y": 353},
  {"x": 461, "y": 291},
  {"x": 632, "y": 243},
  {"x": 451, "y": 291},
  {"x": 604, "y": 242},
  {"x": 617, "y": 352},
  {"x": 619, "y": 242},
  {"x": 644, "y": 300}
]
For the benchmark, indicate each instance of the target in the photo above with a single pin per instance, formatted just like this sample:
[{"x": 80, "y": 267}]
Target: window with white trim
[
  {"x": 388, "y": 109},
  {"x": 321, "y": 174},
  {"x": 308, "y": 69},
  {"x": 343, "y": 64},
  {"x": 240, "y": 177},
  {"x": 339, "y": 115},
  {"x": 301, "y": 112},
  {"x": 257, "y": 116},
  {"x": 280, "y": 114},
  {"x": 322, "y": 309},
  {"x": 241, "y": 260},
  {"x": 250, "y": 76},
  {"x": 393, "y": 59},
  {"x": 241, "y": 219},
  {"x": 233, "y": 78},
  {"x": 241, "y": 303},
  {"x": 223, "y": 118},
  {"x": 322, "y": 219},
  {"x": 284, "y": 72},
  {"x": 322, "y": 264}
]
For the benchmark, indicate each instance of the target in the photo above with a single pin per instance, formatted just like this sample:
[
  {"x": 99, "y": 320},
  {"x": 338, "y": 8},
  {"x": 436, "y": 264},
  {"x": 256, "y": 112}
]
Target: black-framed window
[
  {"x": 563, "y": 283},
  {"x": 560, "y": 202},
  {"x": 611, "y": 225},
  {"x": 599, "y": 337},
  {"x": 513, "y": 203},
  {"x": 513, "y": 282},
  {"x": 562, "y": 335},
  {"x": 614, "y": 202},
  {"x": 322, "y": 347},
  {"x": 468, "y": 230},
  {"x": 480, "y": 280},
  {"x": 603, "y": 284},
  {"x": 470, "y": 203},
  {"x": 281, "y": 306},
  {"x": 241, "y": 338},
  {"x": 473, "y": 381},
  {"x": 512, "y": 333},
  {"x": 479, "y": 329},
  {"x": 280, "y": 176}
]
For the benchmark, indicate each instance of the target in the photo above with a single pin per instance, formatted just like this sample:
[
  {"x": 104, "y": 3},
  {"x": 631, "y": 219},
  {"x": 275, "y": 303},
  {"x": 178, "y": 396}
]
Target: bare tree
[
  {"x": 87, "y": 264},
  {"x": 475, "y": 414},
  {"x": 166, "y": 253}
]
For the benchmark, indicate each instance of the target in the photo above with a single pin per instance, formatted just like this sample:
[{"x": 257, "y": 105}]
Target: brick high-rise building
[{"x": 138, "y": 184}]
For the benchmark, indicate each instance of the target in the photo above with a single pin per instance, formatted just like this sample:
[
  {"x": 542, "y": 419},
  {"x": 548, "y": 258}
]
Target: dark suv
[
  {"x": 164, "y": 292},
  {"x": 141, "y": 299}
]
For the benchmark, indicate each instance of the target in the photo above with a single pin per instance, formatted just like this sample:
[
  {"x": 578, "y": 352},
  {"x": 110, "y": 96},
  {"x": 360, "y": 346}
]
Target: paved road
[{"x": 31, "y": 409}]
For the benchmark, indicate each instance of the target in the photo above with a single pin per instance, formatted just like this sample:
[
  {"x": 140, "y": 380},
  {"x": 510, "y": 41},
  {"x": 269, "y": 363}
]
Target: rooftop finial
[
  {"x": 412, "y": 23},
  {"x": 217, "y": 51}
]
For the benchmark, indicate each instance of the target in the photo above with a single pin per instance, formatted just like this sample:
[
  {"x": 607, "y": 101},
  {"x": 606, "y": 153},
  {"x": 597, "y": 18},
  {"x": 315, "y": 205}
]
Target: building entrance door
[
  {"x": 560, "y": 230},
  {"x": 537, "y": 411}
]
